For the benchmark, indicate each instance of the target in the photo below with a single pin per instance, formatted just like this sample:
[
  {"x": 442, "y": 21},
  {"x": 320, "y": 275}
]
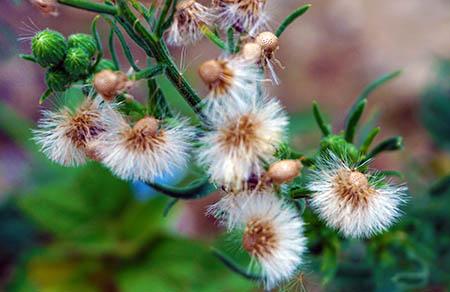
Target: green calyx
[
  {"x": 57, "y": 80},
  {"x": 49, "y": 48},
  {"x": 85, "y": 41},
  {"x": 77, "y": 62},
  {"x": 339, "y": 146}
]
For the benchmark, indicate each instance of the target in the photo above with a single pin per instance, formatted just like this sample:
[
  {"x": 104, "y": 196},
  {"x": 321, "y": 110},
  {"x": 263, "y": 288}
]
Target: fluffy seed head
[
  {"x": 47, "y": 7},
  {"x": 272, "y": 233},
  {"x": 109, "y": 83},
  {"x": 240, "y": 140},
  {"x": 65, "y": 135},
  {"x": 268, "y": 41},
  {"x": 188, "y": 19},
  {"x": 355, "y": 203},
  {"x": 284, "y": 171},
  {"x": 149, "y": 149},
  {"x": 252, "y": 51}
]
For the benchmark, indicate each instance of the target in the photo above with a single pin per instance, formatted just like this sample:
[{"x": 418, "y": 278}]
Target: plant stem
[
  {"x": 90, "y": 6},
  {"x": 160, "y": 53},
  {"x": 291, "y": 18}
]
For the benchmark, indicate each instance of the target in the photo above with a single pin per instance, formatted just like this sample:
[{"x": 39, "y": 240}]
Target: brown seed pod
[
  {"x": 252, "y": 52},
  {"x": 284, "y": 171},
  {"x": 210, "y": 71},
  {"x": 268, "y": 42},
  {"x": 109, "y": 84},
  {"x": 149, "y": 126},
  {"x": 47, "y": 7}
]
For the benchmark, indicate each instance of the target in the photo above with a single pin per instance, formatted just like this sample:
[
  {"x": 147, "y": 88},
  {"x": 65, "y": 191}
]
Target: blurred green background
[{"x": 81, "y": 229}]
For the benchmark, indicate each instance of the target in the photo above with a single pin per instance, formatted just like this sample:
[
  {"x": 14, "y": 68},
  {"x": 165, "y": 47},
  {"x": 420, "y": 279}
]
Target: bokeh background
[{"x": 83, "y": 230}]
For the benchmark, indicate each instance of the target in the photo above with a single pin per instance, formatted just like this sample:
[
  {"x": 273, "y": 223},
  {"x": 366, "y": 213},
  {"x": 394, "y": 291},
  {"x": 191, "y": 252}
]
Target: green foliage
[
  {"x": 82, "y": 40},
  {"x": 77, "y": 62},
  {"x": 49, "y": 47},
  {"x": 57, "y": 79}
]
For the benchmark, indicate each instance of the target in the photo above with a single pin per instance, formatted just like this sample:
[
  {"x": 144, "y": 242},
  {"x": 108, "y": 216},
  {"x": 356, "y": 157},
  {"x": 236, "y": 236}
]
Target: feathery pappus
[
  {"x": 148, "y": 149},
  {"x": 241, "y": 139},
  {"x": 357, "y": 204},
  {"x": 188, "y": 19},
  {"x": 244, "y": 15},
  {"x": 229, "y": 78},
  {"x": 272, "y": 234},
  {"x": 65, "y": 135}
]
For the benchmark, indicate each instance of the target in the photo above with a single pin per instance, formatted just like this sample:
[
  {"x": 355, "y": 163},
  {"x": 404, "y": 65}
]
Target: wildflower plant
[{"x": 239, "y": 138}]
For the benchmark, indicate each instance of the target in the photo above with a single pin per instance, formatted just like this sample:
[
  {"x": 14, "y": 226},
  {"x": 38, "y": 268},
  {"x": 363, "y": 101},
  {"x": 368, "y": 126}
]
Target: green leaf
[
  {"x": 324, "y": 127},
  {"x": 391, "y": 144},
  {"x": 291, "y": 18},
  {"x": 369, "y": 139},
  {"x": 215, "y": 39},
  {"x": 353, "y": 120},
  {"x": 195, "y": 190}
]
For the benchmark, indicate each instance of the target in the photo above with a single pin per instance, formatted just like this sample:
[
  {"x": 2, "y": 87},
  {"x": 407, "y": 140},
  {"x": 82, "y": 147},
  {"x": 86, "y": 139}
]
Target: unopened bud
[
  {"x": 82, "y": 40},
  {"x": 210, "y": 71},
  {"x": 252, "y": 52},
  {"x": 77, "y": 62},
  {"x": 109, "y": 84},
  {"x": 268, "y": 41},
  {"x": 149, "y": 126},
  {"x": 104, "y": 64},
  {"x": 49, "y": 47},
  {"x": 284, "y": 171},
  {"x": 57, "y": 80}
]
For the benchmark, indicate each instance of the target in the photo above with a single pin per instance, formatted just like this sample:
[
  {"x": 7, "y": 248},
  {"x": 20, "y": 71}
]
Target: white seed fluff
[
  {"x": 135, "y": 155},
  {"x": 272, "y": 235},
  {"x": 241, "y": 139},
  {"x": 356, "y": 204},
  {"x": 188, "y": 19},
  {"x": 63, "y": 135}
]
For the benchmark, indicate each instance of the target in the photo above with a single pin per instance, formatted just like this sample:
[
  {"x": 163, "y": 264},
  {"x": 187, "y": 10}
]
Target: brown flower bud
[
  {"x": 210, "y": 71},
  {"x": 268, "y": 41},
  {"x": 149, "y": 126},
  {"x": 284, "y": 171},
  {"x": 109, "y": 84},
  {"x": 47, "y": 7},
  {"x": 252, "y": 52}
]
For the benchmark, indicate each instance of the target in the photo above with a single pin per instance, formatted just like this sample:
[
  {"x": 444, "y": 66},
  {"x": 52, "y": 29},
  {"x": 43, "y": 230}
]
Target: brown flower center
[
  {"x": 259, "y": 238},
  {"x": 84, "y": 126},
  {"x": 353, "y": 187},
  {"x": 145, "y": 135},
  {"x": 242, "y": 133}
]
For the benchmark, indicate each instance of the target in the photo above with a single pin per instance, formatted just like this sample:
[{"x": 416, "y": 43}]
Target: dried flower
[
  {"x": 252, "y": 52},
  {"x": 232, "y": 79},
  {"x": 243, "y": 15},
  {"x": 64, "y": 135},
  {"x": 269, "y": 45},
  {"x": 186, "y": 27},
  {"x": 284, "y": 171},
  {"x": 47, "y": 7},
  {"x": 241, "y": 139},
  {"x": 110, "y": 83},
  {"x": 357, "y": 204},
  {"x": 148, "y": 149},
  {"x": 272, "y": 235}
]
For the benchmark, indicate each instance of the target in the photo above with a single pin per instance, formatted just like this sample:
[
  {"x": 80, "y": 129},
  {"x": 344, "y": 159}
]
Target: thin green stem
[
  {"x": 149, "y": 72},
  {"x": 228, "y": 262},
  {"x": 90, "y": 6},
  {"x": 162, "y": 17},
  {"x": 230, "y": 40},
  {"x": 195, "y": 190},
  {"x": 112, "y": 49},
  {"x": 213, "y": 37},
  {"x": 291, "y": 18}
]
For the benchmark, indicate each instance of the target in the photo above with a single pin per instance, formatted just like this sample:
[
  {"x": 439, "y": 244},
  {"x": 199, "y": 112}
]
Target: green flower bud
[
  {"x": 57, "y": 79},
  {"x": 338, "y": 145},
  {"x": 77, "y": 62},
  {"x": 49, "y": 47},
  {"x": 104, "y": 64},
  {"x": 85, "y": 41}
]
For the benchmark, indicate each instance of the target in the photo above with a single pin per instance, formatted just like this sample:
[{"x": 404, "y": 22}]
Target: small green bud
[
  {"x": 85, "y": 41},
  {"x": 338, "y": 145},
  {"x": 49, "y": 47},
  {"x": 77, "y": 62},
  {"x": 104, "y": 64},
  {"x": 57, "y": 79}
]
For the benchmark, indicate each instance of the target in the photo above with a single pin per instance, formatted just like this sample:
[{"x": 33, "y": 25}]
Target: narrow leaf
[
  {"x": 45, "y": 95},
  {"x": 212, "y": 37},
  {"x": 28, "y": 57},
  {"x": 291, "y": 18},
  {"x": 230, "y": 40},
  {"x": 169, "y": 206},
  {"x": 195, "y": 190},
  {"x": 112, "y": 49},
  {"x": 162, "y": 17},
  {"x": 229, "y": 263},
  {"x": 369, "y": 139},
  {"x": 325, "y": 128},
  {"x": 391, "y": 144},
  {"x": 353, "y": 120},
  {"x": 98, "y": 41}
]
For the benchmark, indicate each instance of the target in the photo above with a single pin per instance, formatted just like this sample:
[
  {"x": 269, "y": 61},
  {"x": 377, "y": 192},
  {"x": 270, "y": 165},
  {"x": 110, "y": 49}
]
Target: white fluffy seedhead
[
  {"x": 357, "y": 204},
  {"x": 65, "y": 135},
  {"x": 148, "y": 149},
  {"x": 187, "y": 22},
  {"x": 272, "y": 233},
  {"x": 241, "y": 139},
  {"x": 245, "y": 15},
  {"x": 229, "y": 80}
]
